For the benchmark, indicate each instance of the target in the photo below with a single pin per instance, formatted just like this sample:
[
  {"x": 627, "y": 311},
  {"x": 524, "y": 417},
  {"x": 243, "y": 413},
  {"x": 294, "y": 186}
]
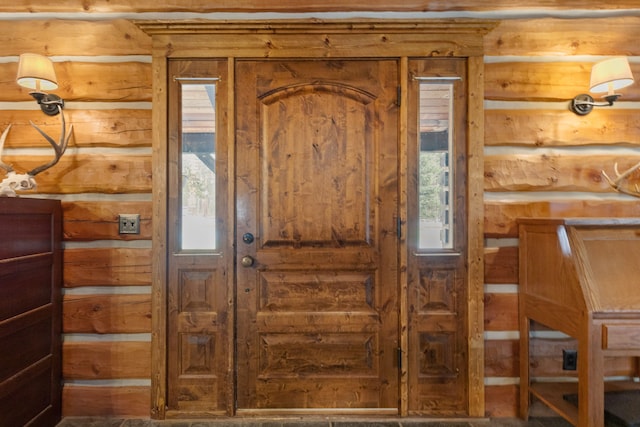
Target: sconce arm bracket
[
  {"x": 583, "y": 103},
  {"x": 50, "y": 104}
]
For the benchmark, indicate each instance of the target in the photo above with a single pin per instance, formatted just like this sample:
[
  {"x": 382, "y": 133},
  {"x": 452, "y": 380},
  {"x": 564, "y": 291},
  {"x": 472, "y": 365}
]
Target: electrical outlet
[
  {"x": 569, "y": 360},
  {"x": 129, "y": 223}
]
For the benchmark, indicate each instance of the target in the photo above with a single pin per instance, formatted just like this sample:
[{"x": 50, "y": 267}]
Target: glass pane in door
[
  {"x": 435, "y": 142},
  {"x": 197, "y": 167}
]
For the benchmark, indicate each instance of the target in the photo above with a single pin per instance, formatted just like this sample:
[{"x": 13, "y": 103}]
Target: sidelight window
[
  {"x": 435, "y": 167},
  {"x": 198, "y": 166}
]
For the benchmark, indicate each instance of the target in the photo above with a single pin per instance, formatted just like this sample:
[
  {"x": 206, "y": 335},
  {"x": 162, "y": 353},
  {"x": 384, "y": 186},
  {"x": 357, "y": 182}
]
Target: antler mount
[
  {"x": 26, "y": 181},
  {"x": 620, "y": 183}
]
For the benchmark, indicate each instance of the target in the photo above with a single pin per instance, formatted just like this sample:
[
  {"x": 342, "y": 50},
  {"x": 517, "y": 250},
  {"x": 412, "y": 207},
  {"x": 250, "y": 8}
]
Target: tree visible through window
[
  {"x": 435, "y": 148},
  {"x": 197, "y": 167}
]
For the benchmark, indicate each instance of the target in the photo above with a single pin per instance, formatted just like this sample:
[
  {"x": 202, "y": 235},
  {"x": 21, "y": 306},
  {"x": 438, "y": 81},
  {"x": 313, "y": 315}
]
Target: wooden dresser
[
  {"x": 30, "y": 311},
  {"x": 580, "y": 277}
]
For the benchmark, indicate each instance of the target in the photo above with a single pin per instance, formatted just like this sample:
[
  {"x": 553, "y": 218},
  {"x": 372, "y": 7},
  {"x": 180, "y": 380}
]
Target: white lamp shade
[
  {"x": 36, "y": 72},
  {"x": 610, "y": 75}
]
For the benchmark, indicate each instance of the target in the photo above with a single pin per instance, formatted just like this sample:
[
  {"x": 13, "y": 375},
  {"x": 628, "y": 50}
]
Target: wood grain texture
[
  {"x": 85, "y": 221},
  {"x": 563, "y": 37},
  {"x": 403, "y": 243},
  {"x": 294, "y": 6},
  {"x": 108, "y": 401},
  {"x": 116, "y": 128},
  {"x": 501, "y": 265},
  {"x": 87, "y": 81},
  {"x": 306, "y": 44},
  {"x": 107, "y": 267},
  {"x": 543, "y": 81},
  {"x": 317, "y": 322},
  {"x": 89, "y": 173},
  {"x": 439, "y": 285},
  {"x": 554, "y": 172},
  {"x": 108, "y": 37},
  {"x": 501, "y": 216},
  {"x": 501, "y": 400},
  {"x": 501, "y": 358},
  {"x": 515, "y": 80},
  {"x": 475, "y": 237},
  {"x": 552, "y": 128},
  {"x": 264, "y": 43},
  {"x": 199, "y": 355},
  {"x": 159, "y": 235},
  {"x": 576, "y": 283},
  {"x": 499, "y": 312},
  {"x": 106, "y": 360},
  {"x": 103, "y": 314}
]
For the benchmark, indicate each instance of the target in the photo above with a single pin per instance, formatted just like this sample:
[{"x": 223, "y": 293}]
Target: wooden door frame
[{"x": 352, "y": 39}]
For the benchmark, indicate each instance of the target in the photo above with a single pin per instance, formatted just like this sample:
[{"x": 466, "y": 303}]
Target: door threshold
[{"x": 317, "y": 411}]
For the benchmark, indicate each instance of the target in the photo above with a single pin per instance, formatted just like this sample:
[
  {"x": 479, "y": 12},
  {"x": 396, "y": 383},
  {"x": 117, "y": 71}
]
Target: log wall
[{"x": 540, "y": 160}]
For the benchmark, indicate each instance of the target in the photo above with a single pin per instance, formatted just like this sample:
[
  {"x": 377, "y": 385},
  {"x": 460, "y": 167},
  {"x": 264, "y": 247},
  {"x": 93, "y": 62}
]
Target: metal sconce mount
[
  {"x": 50, "y": 103},
  {"x": 583, "y": 104},
  {"x": 606, "y": 76},
  {"x": 36, "y": 72}
]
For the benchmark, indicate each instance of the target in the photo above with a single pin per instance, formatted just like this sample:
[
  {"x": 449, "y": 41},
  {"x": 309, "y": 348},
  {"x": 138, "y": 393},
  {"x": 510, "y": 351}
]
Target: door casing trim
[{"x": 399, "y": 39}]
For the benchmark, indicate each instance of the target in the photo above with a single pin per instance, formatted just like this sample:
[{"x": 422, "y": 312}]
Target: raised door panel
[
  {"x": 317, "y": 188},
  {"x": 437, "y": 261},
  {"x": 198, "y": 344}
]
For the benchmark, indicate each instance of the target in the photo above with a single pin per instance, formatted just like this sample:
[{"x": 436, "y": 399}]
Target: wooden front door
[{"x": 317, "y": 247}]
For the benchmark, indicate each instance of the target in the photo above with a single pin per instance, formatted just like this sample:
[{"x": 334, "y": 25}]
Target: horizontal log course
[
  {"x": 87, "y": 81},
  {"x": 501, "y": 358},
  {"x": 543, "y": 81},
  {"x": 123, "y": 401},
  {"x": 561, "y": 37},
  {"x": 501, "y": 312},
  {"x": 546, "y": 359},
  {"x": 103, "y": 314},
  {"x": 106, "y": 360},
  {"x": 296, "y": 6},
  {"x": 85, "y": 221},
  {"x": 501, "y": 265},
  {"x": 116, "y": 128},
  {"x": 553, "y": 128},
  {"x": 545, "y": 36},
  {"x": 86, "y": 173},
  {"x": 110, "y": 38},
  {"x": 501, "y": 400},
  {"x": 547, "y": 172},
  {"x": 501, "y": 216},
  {"x": 107, "y": 267}
]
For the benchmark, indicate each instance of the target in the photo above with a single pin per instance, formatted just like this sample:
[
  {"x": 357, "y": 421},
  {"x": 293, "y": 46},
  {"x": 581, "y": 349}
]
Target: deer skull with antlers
[{"x": 26, "y": 181}]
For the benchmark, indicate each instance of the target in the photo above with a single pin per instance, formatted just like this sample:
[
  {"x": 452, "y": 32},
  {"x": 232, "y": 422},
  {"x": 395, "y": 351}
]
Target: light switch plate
[{"x": 129, "y": 223}]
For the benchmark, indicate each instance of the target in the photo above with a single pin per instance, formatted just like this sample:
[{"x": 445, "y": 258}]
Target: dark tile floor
[{"x": 315, "y": 422}]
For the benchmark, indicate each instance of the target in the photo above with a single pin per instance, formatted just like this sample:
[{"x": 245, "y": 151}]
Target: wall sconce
[
  {"x": 36, "y": 72},
  {"x": 606, "y": 76}
]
